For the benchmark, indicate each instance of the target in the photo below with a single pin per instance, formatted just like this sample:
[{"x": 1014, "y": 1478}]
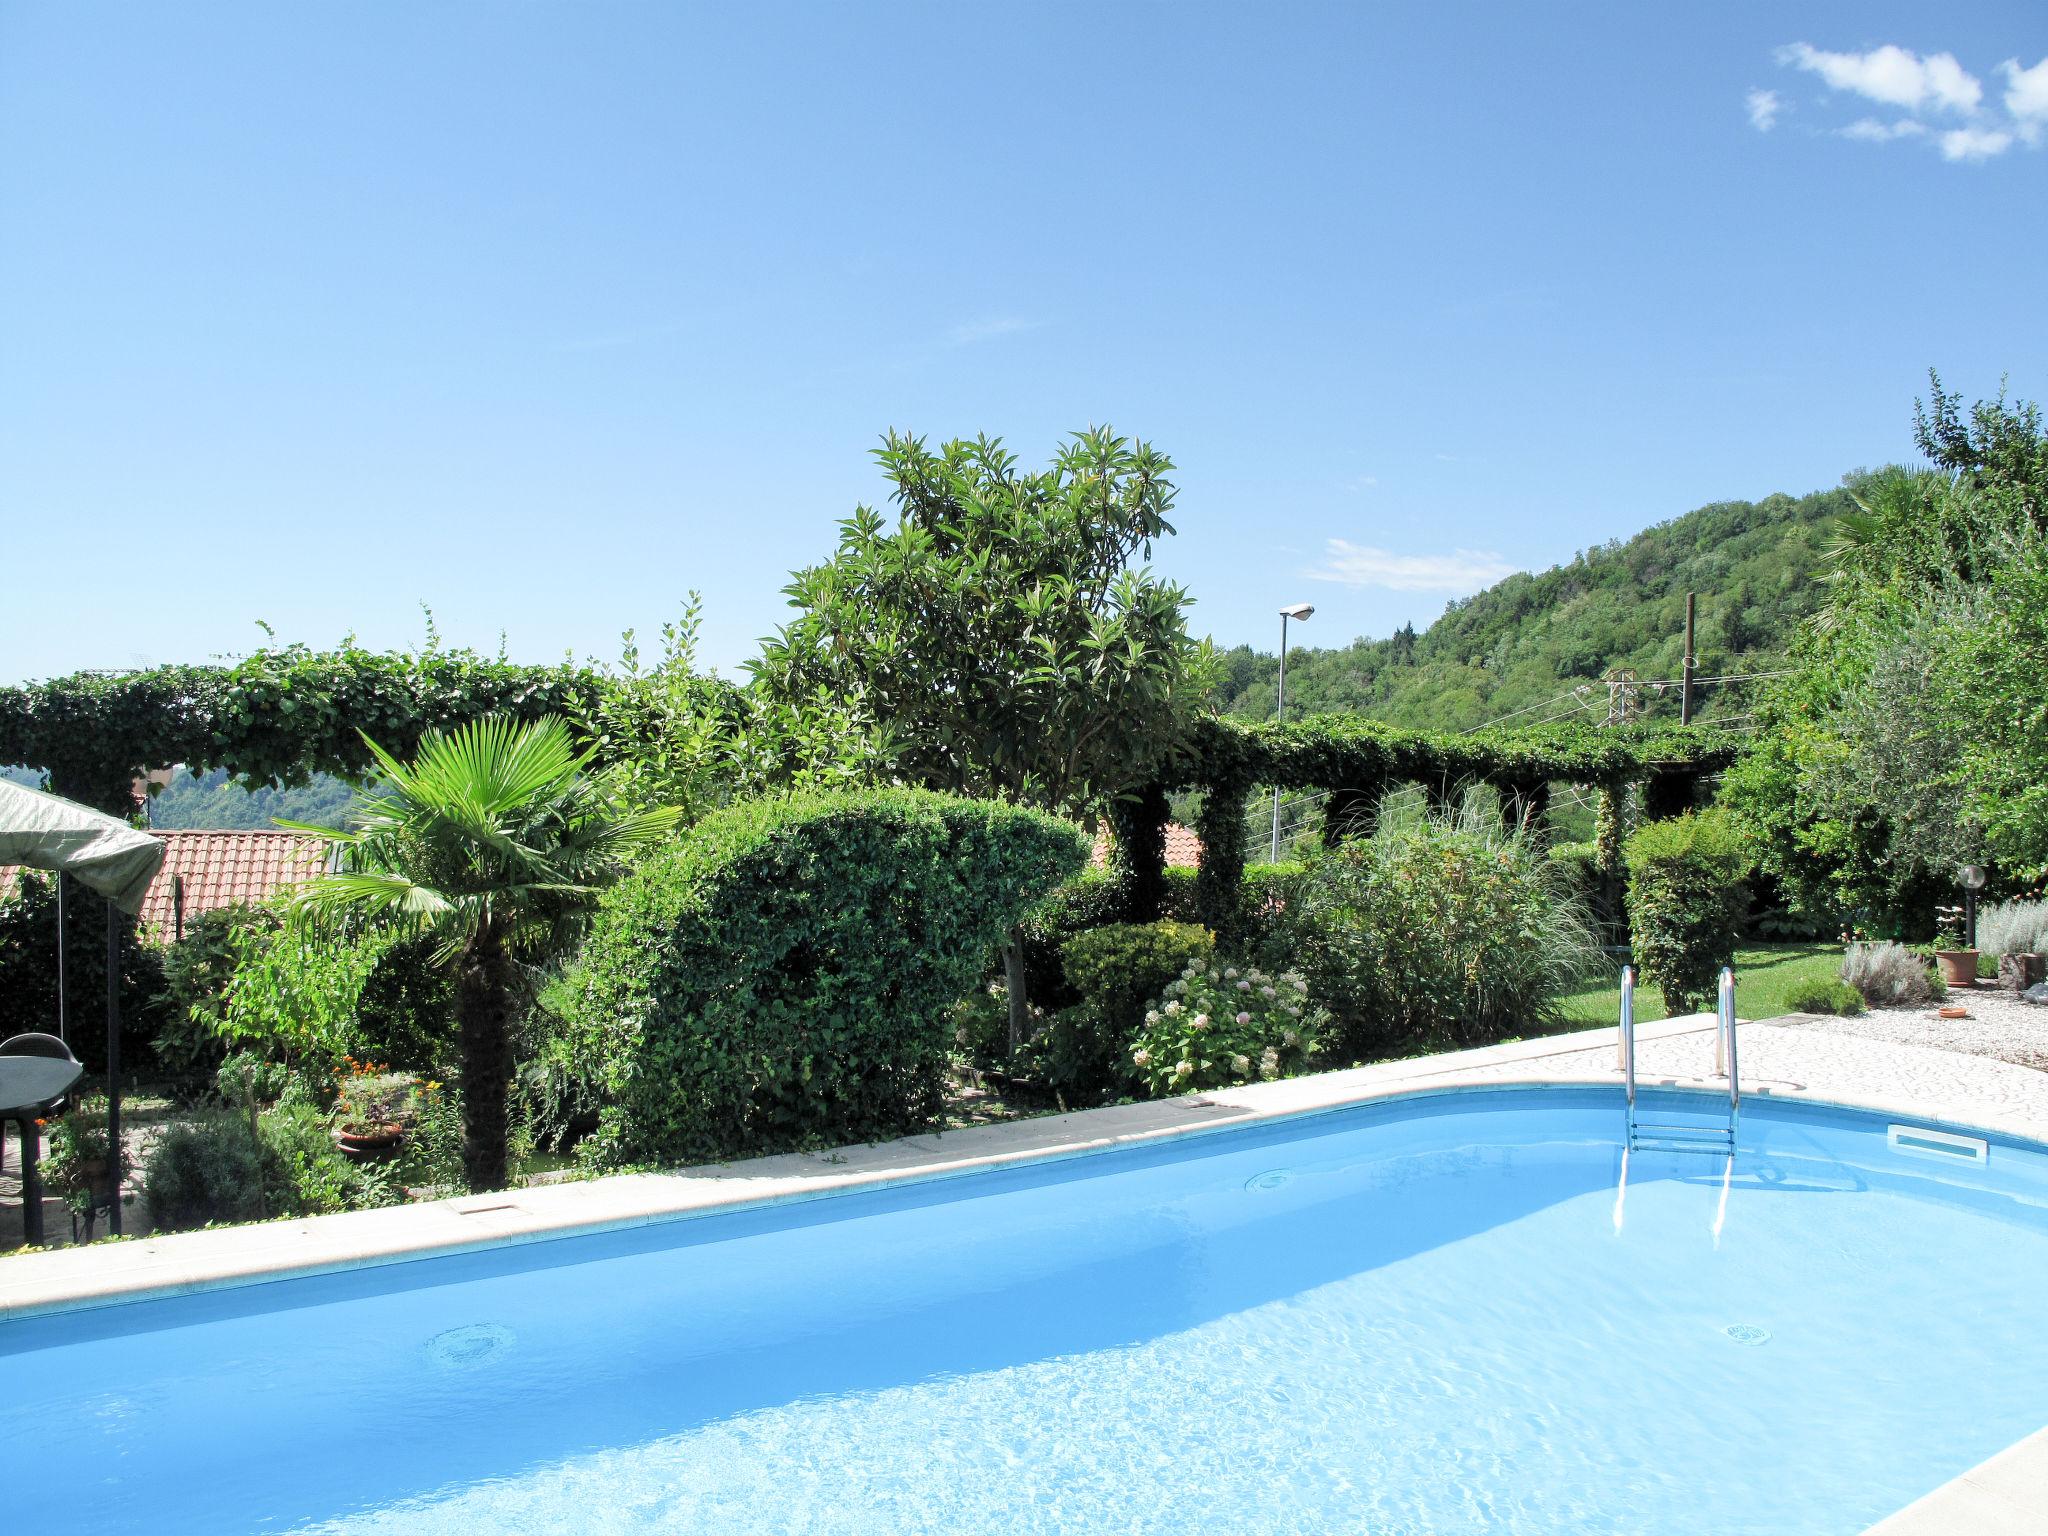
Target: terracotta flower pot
[
  {"x": 1958, "y": 966},
  {"x": 368, "y": 1141}
]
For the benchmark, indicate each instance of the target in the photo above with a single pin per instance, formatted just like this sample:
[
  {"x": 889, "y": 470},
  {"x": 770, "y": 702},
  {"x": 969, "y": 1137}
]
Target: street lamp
[
  {"x": 1299, "y": 611},
  {"x": 1973, "y": 877}
]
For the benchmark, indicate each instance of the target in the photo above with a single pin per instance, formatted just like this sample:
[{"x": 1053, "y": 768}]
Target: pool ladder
[{"x": 1667, "y": 1136}]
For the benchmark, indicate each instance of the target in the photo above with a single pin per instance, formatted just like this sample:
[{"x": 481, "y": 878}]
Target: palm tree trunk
[{"x": 483, "y": 1015}]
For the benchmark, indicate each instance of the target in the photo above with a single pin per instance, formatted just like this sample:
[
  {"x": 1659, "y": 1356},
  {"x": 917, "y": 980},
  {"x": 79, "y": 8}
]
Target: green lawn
[{"x": 1763, "y": 975}]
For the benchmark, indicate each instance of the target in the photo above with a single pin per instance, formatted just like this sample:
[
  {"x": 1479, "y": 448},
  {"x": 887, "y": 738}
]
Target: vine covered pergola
[{"x": 1356, "y": 762}]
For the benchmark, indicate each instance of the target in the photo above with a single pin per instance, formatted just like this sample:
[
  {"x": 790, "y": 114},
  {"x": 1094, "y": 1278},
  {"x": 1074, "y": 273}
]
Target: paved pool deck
[{"x": 1785, "y": 1058}]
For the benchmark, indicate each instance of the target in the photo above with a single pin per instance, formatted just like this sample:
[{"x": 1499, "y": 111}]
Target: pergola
[{"x": 105, "y": 855}]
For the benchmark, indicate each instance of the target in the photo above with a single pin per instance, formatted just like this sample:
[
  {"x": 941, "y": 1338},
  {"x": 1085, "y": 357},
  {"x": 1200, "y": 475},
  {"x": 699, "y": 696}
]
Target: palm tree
[{"x": 495, "y": 842}]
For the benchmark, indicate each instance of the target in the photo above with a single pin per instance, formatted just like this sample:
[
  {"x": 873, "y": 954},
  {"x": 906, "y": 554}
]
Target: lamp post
[
  {"x": 1299, "y": 611},
  {"x": 1973, "y": 877}
]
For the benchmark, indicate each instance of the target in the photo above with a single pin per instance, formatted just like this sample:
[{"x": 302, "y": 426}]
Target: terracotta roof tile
[
  {"x": 221, "y": 868},
  {"x": 1183, "y": 848}
]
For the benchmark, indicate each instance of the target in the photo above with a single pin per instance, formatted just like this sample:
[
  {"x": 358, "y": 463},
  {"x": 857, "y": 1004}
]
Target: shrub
[
  {"x": 214, "y": 1169},
  {"x": 1086, "y": 902},
  {"x": 294, "y": 999},
  {"x": 1219, "y": 1025},
  {"x": 1440, "y": 930},
  {"x": 1121, "y": 968},
  {"x": 782, "y": 975},
  {"x": 1686, "y": 902},
  {"x": 312, "y": 1177},
  {"x": 196, "y": 972},
  {"x": 2013, "y": 928},
  {"x": 1888, "y": 975},
  {"x": 1824, "y": 996}
]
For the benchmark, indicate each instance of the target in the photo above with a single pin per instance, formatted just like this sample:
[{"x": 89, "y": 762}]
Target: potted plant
[
  {"x": 79, "y": 1169},
  {"x": 1958, "y": 965},
  {"x": 366, "y": 1123}
]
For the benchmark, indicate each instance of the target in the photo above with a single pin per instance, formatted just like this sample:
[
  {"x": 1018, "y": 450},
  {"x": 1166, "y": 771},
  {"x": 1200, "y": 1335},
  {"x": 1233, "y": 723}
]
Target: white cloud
[
  {"x": 1895, "y": 76},
  {"x": 989, "y": 329},
  {"x": 2026, "y": 98},
  {"x": 1366, "y": 565},
  {"x": 1974, "y": 143},
  {"x": 1764, "y": 107},
  {"x": 1871, "y": 131}
]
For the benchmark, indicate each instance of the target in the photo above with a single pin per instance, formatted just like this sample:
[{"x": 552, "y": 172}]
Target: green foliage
[
  {"x": 996, "y": 635},
  {"x": 28, "y": 972},
  {"x": 1913, "y": 733},
  {"x": 310, "y": 1176},
  {"x": 1686, "y": 900},
  {"x": 1533, "y": 636},
  {"x": 1220, "y": 1024},
  {"x": 679, "y": 738},
  {"x": 295, "y": 998},
  {"x": 232, "y": 1165},
  {"x": 782, "y": 976},
  {"x": 78, "y": 1168},
  {"x": 1084, "y": 1051},
  {"x": 1443, "y": 931},
  {"x": 1120, "y": 968},
  {"x": 491, "y": 847},
  {"x": 216, "y": 1168},
  {"x": 198, "y": 970},
  {"x": 1823, "y": 996}
]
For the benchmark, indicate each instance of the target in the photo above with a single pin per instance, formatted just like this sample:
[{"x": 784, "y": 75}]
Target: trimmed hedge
[
  {"x": 780, "y": 977},
  {"x": 1686, "y": 902}
]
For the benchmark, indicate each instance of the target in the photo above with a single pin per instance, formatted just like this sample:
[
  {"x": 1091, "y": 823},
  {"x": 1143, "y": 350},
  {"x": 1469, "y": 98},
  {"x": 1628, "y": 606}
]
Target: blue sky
[{"x": 545, "y": 314}]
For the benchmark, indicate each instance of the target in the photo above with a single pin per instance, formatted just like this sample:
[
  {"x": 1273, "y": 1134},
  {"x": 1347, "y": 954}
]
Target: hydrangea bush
[{"x": 1218, "y": 1025}]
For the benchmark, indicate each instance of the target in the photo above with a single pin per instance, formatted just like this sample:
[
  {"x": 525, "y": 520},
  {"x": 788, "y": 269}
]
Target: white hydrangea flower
[
  {"x": 1151, "y": 1015},
  {"x": 1269, "y": 1064},
  {"x": 1214, "y": 975},
  {"x": 1244, "y": 986},
  {"x": 1199, "y": 1021},
  {"x": 1241, "y": 1065},
  {"x": 1289, "y": 1038},
  {"x": 1173, "y": 1008},
  {"x": 1183, "y": 1068},
  {"x": 1268, "y": 993},
  {"x": 1141, "y": 1057},
  {"x": 1230, "y": 973},
  {"x": 1244, "y": 1018}
]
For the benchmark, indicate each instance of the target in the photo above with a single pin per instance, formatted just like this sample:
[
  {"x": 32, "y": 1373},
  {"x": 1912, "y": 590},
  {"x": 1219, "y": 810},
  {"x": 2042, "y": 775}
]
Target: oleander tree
[
  {"x": 997, "y": 631},
  {"x": 494, "y": 842}
]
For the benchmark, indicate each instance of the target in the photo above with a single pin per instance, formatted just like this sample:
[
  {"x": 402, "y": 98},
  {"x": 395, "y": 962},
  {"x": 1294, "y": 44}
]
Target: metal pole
[
  {"x": 1625, "y": 1037},
  {"x": 1727, "y": 1033},
  {"x": 60, "y": 959},
  {"x": 1685, "y": 686},
  {"x": 1969, "y": 917},
  {"x": 1279, "y": 716},
  {"x": 114, "y": 1063}
]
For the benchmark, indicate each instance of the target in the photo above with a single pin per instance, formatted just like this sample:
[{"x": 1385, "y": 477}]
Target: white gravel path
[{"x": 1999, "y": 1025}]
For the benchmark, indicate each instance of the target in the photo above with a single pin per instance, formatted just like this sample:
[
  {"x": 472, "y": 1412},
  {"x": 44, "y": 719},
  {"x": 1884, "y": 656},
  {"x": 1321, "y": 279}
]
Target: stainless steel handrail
[
  {"x": 1725, "y": 1028},
  {"x": 1628, "y": 1032}
]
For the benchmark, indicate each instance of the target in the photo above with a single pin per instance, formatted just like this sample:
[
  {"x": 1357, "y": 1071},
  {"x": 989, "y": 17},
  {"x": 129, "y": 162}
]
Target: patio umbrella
[{"x": 104, "y": 854}]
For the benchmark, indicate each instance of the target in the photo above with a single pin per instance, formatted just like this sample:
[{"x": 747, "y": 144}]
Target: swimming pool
[{"x": 1435, "y": 1315}]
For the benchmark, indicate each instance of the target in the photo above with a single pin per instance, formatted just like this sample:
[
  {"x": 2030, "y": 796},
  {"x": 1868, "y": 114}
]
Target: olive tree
[{"x": 996, "y": 633}]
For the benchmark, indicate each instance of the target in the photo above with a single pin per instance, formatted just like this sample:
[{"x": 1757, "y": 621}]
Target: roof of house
[
  {"x": 221, "y": 869},
  {"x": 1183, "y": 848}
]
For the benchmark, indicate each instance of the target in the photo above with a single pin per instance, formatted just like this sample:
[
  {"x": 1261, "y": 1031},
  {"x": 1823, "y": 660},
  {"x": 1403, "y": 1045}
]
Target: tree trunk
[
  {"x": 483, "y": 1015},
  {"x": 1013, "y": 976}
]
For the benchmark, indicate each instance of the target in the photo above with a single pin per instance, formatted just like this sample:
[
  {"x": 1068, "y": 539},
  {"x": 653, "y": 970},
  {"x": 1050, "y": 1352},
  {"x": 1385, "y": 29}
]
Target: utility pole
[{"x": 1685, "y": 686}]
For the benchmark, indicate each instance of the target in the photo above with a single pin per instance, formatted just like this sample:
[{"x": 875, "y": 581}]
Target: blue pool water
[{"x": 1414, "y": 1319}]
